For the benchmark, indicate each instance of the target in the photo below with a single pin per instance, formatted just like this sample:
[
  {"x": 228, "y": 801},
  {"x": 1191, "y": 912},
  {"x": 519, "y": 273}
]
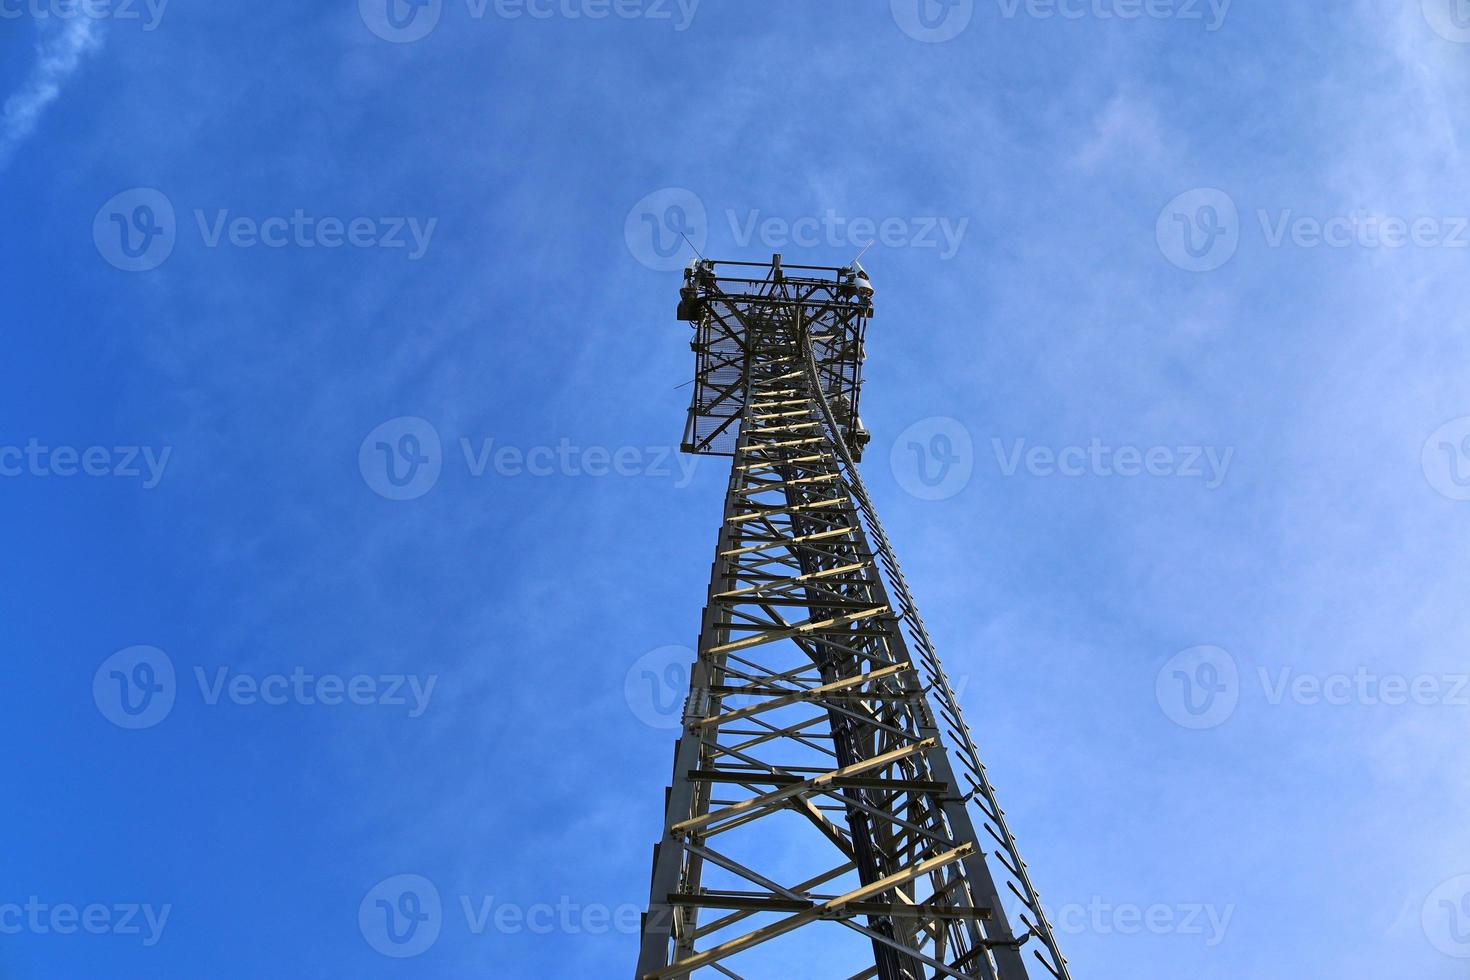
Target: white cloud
[
  {"x": 1126, "y": 128},
  {"x": 57, "y": 57}
]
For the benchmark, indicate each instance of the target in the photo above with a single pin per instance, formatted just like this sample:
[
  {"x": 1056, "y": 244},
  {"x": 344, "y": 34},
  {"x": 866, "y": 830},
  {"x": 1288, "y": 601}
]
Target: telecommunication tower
[{"x": 828, "y": 814}]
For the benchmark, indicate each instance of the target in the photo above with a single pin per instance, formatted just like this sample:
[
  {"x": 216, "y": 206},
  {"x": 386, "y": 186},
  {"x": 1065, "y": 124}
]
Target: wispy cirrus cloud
[{"x": 58, "y": 55}]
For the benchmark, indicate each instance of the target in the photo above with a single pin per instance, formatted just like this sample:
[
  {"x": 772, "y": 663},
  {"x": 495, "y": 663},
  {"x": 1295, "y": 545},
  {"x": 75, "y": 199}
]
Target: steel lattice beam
[{"x": 817, "y": 705}]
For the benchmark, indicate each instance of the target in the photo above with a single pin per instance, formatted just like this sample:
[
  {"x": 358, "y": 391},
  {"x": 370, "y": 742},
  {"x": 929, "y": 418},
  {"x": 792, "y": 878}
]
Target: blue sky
[{"x": 1222, "y": 697}]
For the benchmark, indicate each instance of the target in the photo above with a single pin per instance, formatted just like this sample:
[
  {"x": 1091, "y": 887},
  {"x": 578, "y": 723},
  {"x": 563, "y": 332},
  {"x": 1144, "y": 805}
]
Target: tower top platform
[{"x": 735, "y": 305}]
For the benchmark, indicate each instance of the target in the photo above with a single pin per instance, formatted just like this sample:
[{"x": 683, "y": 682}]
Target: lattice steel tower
[{"x": 828, "y": 815}]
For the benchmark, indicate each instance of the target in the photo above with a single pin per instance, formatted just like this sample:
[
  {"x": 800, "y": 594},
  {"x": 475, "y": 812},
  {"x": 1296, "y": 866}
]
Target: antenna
[{"x": 697, "y": 251}]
